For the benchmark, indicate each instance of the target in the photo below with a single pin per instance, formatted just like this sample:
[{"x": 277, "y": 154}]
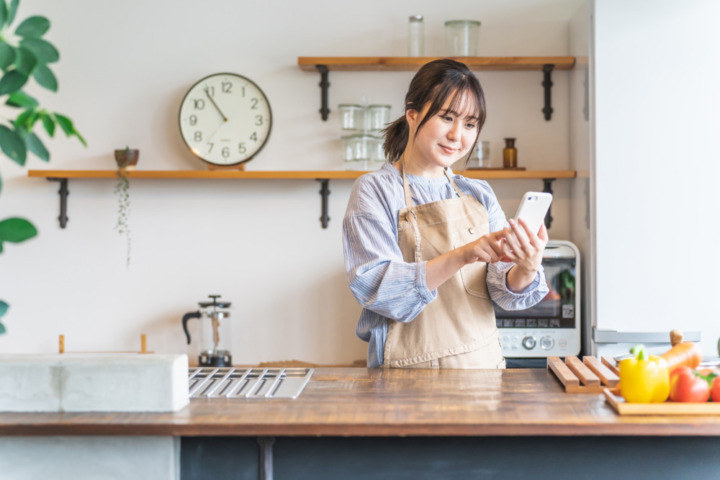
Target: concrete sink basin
[{"x": 93, "y": 382}]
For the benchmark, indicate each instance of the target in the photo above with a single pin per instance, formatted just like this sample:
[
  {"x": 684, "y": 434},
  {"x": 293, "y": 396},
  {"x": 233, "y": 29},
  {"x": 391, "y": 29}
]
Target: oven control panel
[{"x": 519, "y": 343}]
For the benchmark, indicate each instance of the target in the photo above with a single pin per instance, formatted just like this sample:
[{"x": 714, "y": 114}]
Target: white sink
[{"x": 93, "y": 382}]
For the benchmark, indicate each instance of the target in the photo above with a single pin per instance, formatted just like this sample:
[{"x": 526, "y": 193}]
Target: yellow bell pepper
[{"x": 644, "y": 378}]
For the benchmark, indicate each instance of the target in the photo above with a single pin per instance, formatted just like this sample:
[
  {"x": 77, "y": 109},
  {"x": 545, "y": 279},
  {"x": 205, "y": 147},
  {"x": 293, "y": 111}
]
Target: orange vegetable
[{"x": 687, "y": 354}]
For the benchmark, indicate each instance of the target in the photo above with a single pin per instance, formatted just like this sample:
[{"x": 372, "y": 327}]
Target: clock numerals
[
  {"x": 241, "y": 148},
  {"x": 198, "y": 136},
  {"x": 253, "y": 137},
  {"x": 193, "y": 120},
  {"x": 198, "y": 103},
  {"x": 211, "y": 146},
  {"x": 258, "y": 120},
  {"x": 225, "y": 152},
  {"x": 227, "y": 87},
  {"x": 253, "y": 104}
]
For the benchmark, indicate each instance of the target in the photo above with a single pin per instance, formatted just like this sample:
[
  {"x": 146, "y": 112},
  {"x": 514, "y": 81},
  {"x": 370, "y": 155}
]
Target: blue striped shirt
[{"x": 387, "y": 287}]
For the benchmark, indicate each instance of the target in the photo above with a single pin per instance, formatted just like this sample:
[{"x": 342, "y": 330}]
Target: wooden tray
[
  {"x": 666, "y": 408},
  {"x": 587, "y": 376}
]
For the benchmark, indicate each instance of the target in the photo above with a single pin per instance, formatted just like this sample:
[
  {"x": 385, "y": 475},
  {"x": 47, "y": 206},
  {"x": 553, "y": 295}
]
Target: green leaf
[
  {"x": 3, "y": 308},
  {"x": 43, "y": 50},
  {"x": 33, "y": 144},
  {"x": 12, "y": 81},
  {"x": 67, "y": 126},
  {"x": 3, "y": 14},
  {"x": 65, "y": 123},
  {"x": 16, "y": 230},
  {"x": 48, "y": 123},
  {"x": 12, "y": 11},
  {"x": 25, "y": 121},
  {"x": 21, "y": 99},
  {"x": 7, "y": 55},
  {"x": 12, "y": 145},
  {"x": 25, "y": 60},
  {"x": 33, "y": 27},
  {"x": 45, "y": 77}
]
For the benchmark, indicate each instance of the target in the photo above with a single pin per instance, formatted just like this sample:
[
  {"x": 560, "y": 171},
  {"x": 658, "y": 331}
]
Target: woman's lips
[{"x": 448, "y": 150}]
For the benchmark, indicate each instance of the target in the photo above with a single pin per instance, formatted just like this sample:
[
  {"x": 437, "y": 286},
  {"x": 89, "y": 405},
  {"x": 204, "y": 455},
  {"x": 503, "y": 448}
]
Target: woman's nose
[{"x": 455, "y": 131}]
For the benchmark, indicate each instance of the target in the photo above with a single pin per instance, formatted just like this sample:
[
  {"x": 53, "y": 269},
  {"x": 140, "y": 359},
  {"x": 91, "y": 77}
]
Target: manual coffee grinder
[{"x": 214, "y": 325}]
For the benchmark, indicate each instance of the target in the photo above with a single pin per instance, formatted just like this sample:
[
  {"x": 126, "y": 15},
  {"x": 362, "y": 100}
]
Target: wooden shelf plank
[
  {"x": 281, "y": 174},
  {"x": 401, "y": 64}
]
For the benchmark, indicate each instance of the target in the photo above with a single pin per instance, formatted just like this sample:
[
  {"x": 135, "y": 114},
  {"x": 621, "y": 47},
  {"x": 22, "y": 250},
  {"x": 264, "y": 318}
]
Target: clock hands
[{"x": 207, "y": 92}]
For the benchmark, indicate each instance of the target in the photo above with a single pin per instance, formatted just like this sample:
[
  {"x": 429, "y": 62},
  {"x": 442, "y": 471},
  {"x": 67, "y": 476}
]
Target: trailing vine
[{"x": 122, "y": 190}]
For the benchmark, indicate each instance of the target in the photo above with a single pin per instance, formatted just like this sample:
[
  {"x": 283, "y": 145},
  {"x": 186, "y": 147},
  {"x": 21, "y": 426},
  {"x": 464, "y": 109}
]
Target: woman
[{"x": 426, "y": 251}]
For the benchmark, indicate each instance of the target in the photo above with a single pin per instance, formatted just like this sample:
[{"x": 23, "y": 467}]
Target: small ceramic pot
[{"x": 127, "y": 158}]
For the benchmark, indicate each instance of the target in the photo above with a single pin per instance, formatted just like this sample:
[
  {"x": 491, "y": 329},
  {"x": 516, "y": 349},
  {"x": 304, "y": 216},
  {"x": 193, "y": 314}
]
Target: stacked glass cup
[{"x": 363, "y": 146}]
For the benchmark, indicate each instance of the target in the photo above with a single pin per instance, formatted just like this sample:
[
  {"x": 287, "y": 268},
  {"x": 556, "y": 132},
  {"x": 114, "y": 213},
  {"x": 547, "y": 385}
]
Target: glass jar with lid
[
  {"x": 378, "y": 117},
  {"x": 352, "y": 116}
]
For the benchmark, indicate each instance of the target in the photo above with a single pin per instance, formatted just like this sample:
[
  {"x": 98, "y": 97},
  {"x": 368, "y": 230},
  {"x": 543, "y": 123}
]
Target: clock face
[{"x": 225, "y": 119}]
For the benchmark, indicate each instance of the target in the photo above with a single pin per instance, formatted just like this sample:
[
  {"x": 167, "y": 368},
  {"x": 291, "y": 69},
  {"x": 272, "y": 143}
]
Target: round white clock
[{"x": 225, "y": 119}]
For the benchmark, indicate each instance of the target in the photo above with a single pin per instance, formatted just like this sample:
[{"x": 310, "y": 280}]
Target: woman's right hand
[{"x": 487, "y": 248}]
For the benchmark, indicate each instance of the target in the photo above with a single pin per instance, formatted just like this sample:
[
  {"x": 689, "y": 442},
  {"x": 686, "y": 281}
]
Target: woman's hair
[{"x": 434, "y": 83}]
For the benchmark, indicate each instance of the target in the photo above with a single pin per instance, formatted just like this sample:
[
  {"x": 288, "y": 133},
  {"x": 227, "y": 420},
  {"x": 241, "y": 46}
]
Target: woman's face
[{"x": 446, "y": 137}]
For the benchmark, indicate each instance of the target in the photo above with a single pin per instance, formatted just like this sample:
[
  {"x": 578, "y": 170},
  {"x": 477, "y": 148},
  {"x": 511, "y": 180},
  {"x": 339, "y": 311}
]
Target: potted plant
[
  {"x": 24, "y": 54},
  {"x": 126, "y": 160}
]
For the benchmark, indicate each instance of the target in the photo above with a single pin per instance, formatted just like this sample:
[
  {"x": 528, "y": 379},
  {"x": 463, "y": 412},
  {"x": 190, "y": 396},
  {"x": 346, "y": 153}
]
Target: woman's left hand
[{"x": 525, "y": 249}]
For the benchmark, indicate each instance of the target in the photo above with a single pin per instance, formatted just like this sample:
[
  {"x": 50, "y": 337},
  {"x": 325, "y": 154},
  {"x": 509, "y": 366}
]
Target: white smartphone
[{"x": 533, "y": 208}]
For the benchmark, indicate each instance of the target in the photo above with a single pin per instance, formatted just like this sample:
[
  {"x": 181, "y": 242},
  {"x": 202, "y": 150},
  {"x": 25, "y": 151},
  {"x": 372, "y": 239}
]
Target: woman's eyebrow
[{"x": 453, "y": 112}]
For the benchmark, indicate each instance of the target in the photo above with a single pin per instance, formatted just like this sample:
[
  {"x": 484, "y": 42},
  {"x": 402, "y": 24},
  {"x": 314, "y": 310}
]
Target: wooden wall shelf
[
  {"x": 410, "y": 64},
  {"x": 322, "y": 176},
  {"x": 401, "y": 64}
]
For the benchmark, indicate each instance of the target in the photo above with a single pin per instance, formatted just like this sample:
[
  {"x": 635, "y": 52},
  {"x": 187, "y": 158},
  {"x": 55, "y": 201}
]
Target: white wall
[
  {"x": 124, "y": 69},
  {"x": 657, "y": 165}
]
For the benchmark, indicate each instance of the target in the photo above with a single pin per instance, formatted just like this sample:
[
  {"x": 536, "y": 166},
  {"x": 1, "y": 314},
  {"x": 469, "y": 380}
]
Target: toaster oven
[{"x": 551, "y": 327}]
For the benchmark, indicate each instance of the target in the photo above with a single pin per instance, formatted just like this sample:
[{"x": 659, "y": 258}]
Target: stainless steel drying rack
[{"x": 239, "y": 383}]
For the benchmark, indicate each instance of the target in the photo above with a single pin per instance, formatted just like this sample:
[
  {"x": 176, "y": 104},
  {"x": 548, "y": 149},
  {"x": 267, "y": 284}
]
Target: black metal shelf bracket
[
  {"x": 324, "y": 194},
  {"x": 64, "y": 192},
  {"x": 547, "y": 88},
  {"x": 324, "y": 84},
  {"x": 547, "y": 187}
]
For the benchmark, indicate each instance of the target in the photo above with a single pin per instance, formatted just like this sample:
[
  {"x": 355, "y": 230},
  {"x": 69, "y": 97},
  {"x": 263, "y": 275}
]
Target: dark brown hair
[{"x": 434, "y": 83}]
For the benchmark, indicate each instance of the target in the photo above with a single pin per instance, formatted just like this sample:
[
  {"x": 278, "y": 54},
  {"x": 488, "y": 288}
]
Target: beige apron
[{"x": 457, "y": 329}]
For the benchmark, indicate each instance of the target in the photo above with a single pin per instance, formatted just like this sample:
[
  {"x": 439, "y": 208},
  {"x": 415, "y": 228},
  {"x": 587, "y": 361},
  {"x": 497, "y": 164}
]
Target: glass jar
[
  {"x": 416, "y": 36},
  {"x": 377, "y": 154},
  {"x": 352, "y": 117},
  {"x": 480, "y": 157},
  {"x": 510, "y": 154},
  {"x": 461, "y": 37},
  {"x": 378, "y": 117},
  {"x": 356, "y": 151}
]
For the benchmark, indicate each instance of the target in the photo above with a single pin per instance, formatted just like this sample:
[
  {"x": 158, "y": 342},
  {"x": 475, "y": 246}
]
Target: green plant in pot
[
  {"x": 25, "y": 55},
  {"x": 126, "y": 160}
]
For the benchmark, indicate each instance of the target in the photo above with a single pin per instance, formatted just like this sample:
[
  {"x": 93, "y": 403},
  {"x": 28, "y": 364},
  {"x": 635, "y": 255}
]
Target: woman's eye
[
  {"x": 470, "y": 126},
  {"x": 447, "y": 118}
]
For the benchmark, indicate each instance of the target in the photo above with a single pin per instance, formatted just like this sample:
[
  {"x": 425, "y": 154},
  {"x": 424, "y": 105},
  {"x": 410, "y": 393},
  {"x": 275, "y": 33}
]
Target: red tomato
[
  {"x": 715, "y": 389},
  {"x": 686, "y": 386}
]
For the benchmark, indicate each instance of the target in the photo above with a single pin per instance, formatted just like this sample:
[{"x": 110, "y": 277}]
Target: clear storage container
[
  {"x": 352, "y": 117},
  {"x": 461, "y": 37}
]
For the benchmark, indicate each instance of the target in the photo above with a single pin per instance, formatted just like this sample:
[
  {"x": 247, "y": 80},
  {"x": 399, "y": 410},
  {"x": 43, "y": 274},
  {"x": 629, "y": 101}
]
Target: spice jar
[{"x": 510, "y": 154}]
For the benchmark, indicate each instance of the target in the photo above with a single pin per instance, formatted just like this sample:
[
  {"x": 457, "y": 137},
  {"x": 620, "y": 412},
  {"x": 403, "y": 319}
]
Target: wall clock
[{"x": 225, "y": 119}]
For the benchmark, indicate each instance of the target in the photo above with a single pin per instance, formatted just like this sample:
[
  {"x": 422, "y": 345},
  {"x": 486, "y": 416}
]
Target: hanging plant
[{"x": 126, "y": 160}]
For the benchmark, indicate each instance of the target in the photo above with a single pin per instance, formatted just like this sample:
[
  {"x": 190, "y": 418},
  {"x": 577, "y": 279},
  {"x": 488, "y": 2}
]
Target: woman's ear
[{"x": 411, "y": 116}]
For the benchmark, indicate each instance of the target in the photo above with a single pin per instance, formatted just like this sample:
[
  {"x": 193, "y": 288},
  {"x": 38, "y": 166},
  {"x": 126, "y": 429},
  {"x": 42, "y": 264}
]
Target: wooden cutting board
[
  {"x": 666, "y": 408},
  {"x": 587, "y": 376}
]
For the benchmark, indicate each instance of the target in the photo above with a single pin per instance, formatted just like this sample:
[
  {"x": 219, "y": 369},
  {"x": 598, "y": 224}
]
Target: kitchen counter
[
  {"x": 411, "y": 424},
  {"x": 379, "y": 402}
]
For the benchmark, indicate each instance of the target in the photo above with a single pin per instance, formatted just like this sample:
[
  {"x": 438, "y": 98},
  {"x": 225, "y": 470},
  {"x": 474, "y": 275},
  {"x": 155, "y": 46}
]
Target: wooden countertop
[{"x": 379, "y": 402}]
